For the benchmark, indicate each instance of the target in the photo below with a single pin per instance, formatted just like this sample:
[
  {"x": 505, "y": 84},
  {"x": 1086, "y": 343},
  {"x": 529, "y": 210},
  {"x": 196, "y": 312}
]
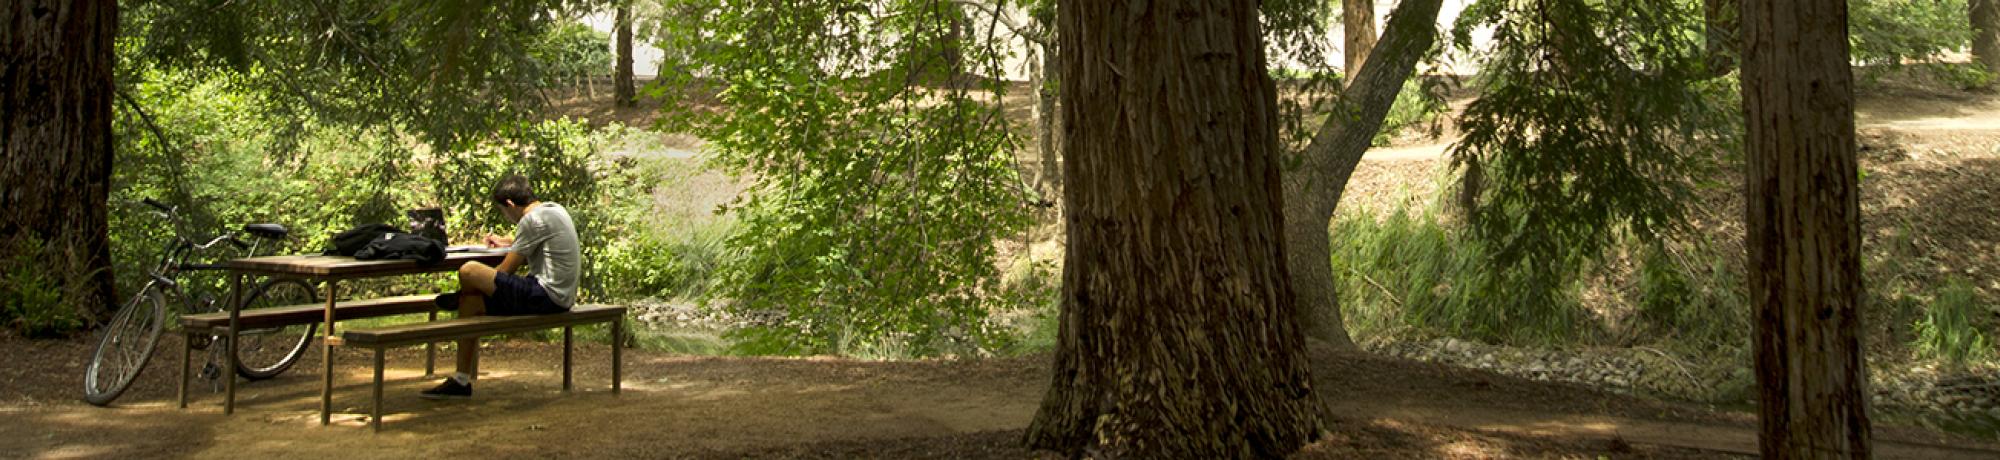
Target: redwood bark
[
  {"x": 1312, "y": 192},
  {"x": 55, "y": 135},
  {"x": 1177, "y": 337},
  {"x": 623, "y": 89},
  {"x": 1358, "y": 21},
  {"x": 1985, "y": 16},
  {"x": 1804, "y": 229}
]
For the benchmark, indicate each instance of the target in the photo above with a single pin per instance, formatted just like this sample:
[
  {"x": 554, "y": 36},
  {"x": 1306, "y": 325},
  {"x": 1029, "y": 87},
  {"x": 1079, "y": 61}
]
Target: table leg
[
  {"x": 566, "y": 348},
  {"x": 187, "y": 354},
  {"x": 229, "y": 369},
  {"x": 326, "y": 352},
  {"x": 431, "y": 351},
  {"x": 375, "y": 411},
  {"x": 617, "y": 352}
]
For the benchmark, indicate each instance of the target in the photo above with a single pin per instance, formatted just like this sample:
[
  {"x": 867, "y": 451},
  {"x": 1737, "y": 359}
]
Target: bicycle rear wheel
[
  {"x": 265, "y": 353},
  {"x": 127, "y": 345}
]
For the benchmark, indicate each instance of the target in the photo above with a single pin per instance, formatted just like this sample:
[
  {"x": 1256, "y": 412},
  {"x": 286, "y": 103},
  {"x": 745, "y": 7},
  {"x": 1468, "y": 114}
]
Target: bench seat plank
[
  {"x": 314, "y": 313},
  {"x": 477, "y": 326}
]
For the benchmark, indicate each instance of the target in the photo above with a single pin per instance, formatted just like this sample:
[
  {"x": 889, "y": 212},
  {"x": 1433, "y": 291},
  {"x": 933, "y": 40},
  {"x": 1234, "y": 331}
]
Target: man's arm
[{"x": 511, "y": 263}]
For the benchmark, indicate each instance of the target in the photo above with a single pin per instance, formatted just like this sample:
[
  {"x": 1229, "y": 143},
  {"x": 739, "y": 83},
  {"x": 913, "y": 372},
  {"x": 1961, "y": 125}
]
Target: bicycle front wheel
[
  {"x": 265, "y": 353},
  {"x": 126, "y": 347}
]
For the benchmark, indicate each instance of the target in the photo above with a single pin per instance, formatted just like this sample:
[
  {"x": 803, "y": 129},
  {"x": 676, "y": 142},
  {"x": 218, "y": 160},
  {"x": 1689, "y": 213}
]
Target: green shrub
[
  {"x": 1695, "y": 302},
  {"x": 1417, "y": 104},
  {"x": 1412, "y": 272},
  {"x": 1950, "y": 330},
  {"x": 32, "y": 288}
]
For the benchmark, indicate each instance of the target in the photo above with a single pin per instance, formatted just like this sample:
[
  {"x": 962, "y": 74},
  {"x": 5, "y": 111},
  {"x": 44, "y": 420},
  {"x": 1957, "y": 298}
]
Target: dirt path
[
  {"x": 1946, "y": 117},
  {"x": 675, "y": 406}
]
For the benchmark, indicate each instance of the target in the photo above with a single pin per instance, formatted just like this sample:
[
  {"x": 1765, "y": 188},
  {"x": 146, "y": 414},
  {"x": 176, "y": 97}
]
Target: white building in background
[{"x": 646, "y": 57}]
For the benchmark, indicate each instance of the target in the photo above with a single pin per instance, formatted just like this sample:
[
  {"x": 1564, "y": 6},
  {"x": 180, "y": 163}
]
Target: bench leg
[
  {"x": 187, "y": 354},
  {"x": 566, "y": 349},
  {"x": 229, "y": 368},
  {"x": 617, "y": 353},
  {"x": 431, "y": 351},
  {"x": 375, "y": 411},
  {"x": 326, "y": 351}
]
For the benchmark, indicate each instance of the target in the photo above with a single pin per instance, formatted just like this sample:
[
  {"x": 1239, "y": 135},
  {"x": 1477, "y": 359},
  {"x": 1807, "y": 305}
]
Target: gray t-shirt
[{"x": 546, "y": 241}]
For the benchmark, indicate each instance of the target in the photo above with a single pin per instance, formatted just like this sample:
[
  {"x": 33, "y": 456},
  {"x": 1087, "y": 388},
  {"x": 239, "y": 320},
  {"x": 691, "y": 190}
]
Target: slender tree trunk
[
  {"x": 1177, "y": 336},
  {"x": 1804, "y": 229},
  {"x": 1358, "y": 20},
  {"x": 55, "y": 135},
  {"x": 626, "y": 93},
  {"x": 1985, "y": 15},
  {"x": 1723, "y": 32},
  {"x": 1313, "y": 191},
  {"x": 1047, "y": 117}
]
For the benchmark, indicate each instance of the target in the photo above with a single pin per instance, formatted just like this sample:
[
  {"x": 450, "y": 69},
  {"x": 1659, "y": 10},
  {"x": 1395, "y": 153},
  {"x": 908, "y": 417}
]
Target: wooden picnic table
[{"x": 331, "y": 270}]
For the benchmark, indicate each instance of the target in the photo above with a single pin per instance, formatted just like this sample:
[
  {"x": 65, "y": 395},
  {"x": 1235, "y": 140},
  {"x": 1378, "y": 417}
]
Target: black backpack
[{"x": 349, "y": 242}]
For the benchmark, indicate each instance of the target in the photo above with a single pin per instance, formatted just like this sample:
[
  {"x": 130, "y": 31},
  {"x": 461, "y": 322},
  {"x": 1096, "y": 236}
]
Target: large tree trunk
[
  {"x": 623, "y": 89},
  {"x": 1804, "y": 229},
  {"x": 1313, "y": 191},
  {"x": 1177, "y": 336},
  {"x": 1985, "y": 15},
  {"x": 55, "y": 135},
  {"x": 1358, "y": 21},
  {"x": 1722, "y": 32}
]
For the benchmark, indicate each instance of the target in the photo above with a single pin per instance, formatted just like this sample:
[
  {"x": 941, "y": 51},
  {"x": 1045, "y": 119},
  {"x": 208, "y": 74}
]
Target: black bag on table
[
  {"x": 349, "y": 242},
  {"x": 399, "y": 246}
]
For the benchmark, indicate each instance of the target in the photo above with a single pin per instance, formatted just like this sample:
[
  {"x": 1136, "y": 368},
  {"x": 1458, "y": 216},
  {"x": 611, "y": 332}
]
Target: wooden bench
[
  {"x": 379, "y": 339},
  {"x": 295, "y": 315}
]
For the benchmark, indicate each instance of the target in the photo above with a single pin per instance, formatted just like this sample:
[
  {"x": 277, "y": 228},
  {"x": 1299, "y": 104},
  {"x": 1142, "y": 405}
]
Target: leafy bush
[
  {"x": 1695, "y": 301},
  {"x": 1950, "y": 330},
  {"x": 32, "y": 280},
  {"x": 879, "y": 188},
  {"x": 1890, "y": 32}
]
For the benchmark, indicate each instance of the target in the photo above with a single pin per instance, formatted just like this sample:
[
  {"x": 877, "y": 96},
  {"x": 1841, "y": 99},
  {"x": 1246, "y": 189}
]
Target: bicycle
[{"x": 134, "y": 331}]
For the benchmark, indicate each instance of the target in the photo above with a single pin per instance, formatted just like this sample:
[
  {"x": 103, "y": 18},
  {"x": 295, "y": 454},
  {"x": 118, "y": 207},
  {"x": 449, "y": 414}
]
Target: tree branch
[{"x": 1029, "y": 33}]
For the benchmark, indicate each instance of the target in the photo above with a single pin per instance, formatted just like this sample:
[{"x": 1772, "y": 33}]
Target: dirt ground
[{"x": 707, "y": 407}]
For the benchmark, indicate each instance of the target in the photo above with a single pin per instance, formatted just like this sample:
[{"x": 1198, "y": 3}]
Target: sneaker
[
  {"x": 448, "y": 301},
  {"x": 450, "y": 389}
]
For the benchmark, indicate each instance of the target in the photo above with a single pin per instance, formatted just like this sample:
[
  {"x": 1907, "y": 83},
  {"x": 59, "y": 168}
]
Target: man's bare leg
[{"x": 475, "y": 283}]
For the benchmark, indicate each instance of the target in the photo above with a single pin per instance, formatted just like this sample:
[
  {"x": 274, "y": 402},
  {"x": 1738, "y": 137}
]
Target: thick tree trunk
[
  {"x": 1985, "y": 15},
  {"x": 1723, "y": 32},
  {"x": 1804, "y": 229},
  {"x": 1177, "y": 336},
  {"x": 626, "y": 93},
  {"x": 1313, "y": 191},
  {"x": 1358, "y": 20},
  {"x": 55, "y": 135}
]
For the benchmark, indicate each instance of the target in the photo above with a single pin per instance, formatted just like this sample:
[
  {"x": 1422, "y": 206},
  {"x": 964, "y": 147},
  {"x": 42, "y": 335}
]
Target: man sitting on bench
[{"x": 545, "y": 244}]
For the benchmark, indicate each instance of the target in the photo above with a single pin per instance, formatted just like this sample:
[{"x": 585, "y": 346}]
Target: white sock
[{"x": 462, "y": 378}]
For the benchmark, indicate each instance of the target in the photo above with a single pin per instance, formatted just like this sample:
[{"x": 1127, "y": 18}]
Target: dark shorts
[{"x": 515, "y": 295}]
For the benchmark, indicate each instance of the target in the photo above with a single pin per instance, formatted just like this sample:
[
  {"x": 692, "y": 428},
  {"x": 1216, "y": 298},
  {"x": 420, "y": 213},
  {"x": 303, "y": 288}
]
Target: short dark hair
[{"x": 513, "y": 188}]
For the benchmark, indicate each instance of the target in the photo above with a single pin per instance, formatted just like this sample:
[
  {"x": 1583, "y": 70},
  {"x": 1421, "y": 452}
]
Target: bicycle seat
[{"x": 266, "y": 231}]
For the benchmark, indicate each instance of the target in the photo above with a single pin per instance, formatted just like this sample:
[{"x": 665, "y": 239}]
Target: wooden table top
[{"x": 343, "y": 267}]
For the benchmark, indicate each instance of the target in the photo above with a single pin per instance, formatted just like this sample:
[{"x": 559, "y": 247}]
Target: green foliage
[
  {"x": 1950, "y": 330},
  {"x": 32, "y": 280},
  {"x": 449, "y": 71},
  {"x": 1417, "y": 104},
  {"x": 1594, "y": 117},
  {"x": 1891, "y": 32},
  {"x": 881, "y": 177},
  {"x": 1411, "y": 272},
  {"x": 571, "y": 50},
  {"x": 1696, "y": 301}
]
